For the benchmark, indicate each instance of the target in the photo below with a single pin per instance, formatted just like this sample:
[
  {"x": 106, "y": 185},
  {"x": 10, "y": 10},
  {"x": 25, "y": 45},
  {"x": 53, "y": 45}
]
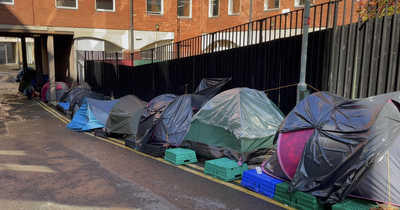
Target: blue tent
[{"x": 91, "y": 115}]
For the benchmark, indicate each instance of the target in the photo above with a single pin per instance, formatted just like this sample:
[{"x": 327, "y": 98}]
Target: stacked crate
[
  {"x": 224, "y": 169},
  {"x": 260, "y": 183},
  {"x": 130, "y": 143},
  {"x": 354, "y": 204},
  {"x": 298, "y": 200},
  {"x": 180, "y": 156},
  {"x": 155, "y": 150}
]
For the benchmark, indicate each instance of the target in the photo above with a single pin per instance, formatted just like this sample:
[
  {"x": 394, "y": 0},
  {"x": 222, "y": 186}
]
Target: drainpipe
[{"x": 132, "y": 45}]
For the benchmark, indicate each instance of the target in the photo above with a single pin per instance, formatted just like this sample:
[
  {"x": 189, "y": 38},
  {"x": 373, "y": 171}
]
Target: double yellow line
[{"x": 194, "y": 169}]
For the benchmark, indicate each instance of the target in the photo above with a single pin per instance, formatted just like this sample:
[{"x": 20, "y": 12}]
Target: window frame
[
  {"x": 8, "y": 3},
  {"x": 210, "y": 8},
  {"x": 298, "y": 5},
  {"x": 190, "y": 9},
  {"x": 230, "y": 7},
  {"x": 155, "y": 13},
  {"x": 105, "y": 10},
  {"x": 266, "y": 5},
  {"x": 65, "y": 7}
]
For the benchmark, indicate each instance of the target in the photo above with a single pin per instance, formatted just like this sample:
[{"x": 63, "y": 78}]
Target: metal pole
[
  {"x": 302, "y": 87},
  {"x": 132, "y": 27},
  {"x": 250, "y": 30}
]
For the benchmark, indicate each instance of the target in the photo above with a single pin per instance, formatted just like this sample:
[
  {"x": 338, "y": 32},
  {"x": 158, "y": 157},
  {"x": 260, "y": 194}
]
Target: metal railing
[{"x": 322, "y": 16}]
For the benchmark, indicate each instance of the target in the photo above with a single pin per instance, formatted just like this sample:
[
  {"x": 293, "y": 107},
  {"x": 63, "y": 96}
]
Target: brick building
[{"x": 64, "y": 26}]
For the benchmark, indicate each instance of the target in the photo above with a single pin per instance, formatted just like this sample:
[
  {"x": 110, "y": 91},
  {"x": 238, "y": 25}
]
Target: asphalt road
[{"x": 45, "y": 166}]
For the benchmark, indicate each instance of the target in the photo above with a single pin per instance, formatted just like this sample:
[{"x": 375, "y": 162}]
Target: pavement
[{"x": 45, "y": 166}]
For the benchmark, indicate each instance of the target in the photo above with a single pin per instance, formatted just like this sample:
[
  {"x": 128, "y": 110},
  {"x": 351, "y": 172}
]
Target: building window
[
  {"x": 214, "y": 8},
  {"x": 154, "y": 6},
  {"x": 67, "y": 4},
  {"x": 234, "y": 7},
  {"x": 105, "y": 5},
  {"x": 273, "y": 4},
  {"x": 185, "y": 8},
  {"x": 6, "y": 1},
  {"x": 301, "y": 3}
]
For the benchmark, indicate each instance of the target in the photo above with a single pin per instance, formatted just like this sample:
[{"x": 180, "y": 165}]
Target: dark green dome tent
[{"x": 234, "y": 124}]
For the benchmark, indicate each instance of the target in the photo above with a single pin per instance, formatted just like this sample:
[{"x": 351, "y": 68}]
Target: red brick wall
[
  {"x": 45, "y": 13},
  {"x": 146, "y": 22},
  {"x": 18, "y": 14}
]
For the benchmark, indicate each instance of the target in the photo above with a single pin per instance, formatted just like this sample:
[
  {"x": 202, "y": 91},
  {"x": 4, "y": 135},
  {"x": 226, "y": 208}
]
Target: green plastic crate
[
  {"x": 298, "y": 200},
  {"x": 224, "y": 169},
  {"x": 354, "y": 204},
  {"x": 180, "y": 156}
]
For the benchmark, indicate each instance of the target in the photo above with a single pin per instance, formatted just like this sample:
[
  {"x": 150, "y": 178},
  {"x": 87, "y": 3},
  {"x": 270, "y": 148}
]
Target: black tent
[
  {"x": 343, "y": 140},
  {"x": 175, "y": 120},
  {"x": 149, "y": 118}
]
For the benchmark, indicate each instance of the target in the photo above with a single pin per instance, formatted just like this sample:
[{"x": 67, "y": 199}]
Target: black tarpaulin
[
  {"x": 149, "y": 118},
  {"x": 175, "y": 120},
  {"x": 349, "y": 138},
  {"x": 211, "y": 86}
]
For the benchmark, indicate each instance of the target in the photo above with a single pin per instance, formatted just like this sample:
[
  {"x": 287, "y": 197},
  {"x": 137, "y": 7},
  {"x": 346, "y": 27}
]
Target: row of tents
[{"x": 327, "y": 146}]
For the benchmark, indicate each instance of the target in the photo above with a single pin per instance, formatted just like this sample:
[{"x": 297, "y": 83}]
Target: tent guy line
[{"x": 196, "y": 172}]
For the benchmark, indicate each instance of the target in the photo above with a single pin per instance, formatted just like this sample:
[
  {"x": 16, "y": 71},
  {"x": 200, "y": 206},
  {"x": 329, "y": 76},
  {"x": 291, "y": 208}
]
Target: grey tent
[
  {"x": 330, "y": 147},
  {"x": 125, "y": 115},
  {"x": 235, "y": 123},
  {"x": 175, "y": 120},
  {"x": 149, "y": 118}
]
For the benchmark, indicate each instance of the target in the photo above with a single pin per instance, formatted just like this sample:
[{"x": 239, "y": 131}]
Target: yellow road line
[
  {"x": 114, "y": 141},
  {"x": 52, "y": 110}
]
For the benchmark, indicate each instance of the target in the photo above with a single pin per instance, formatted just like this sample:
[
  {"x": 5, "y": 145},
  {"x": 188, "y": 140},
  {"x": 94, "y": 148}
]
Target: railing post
[
  {"x": 132, "y": 59},
  {"x": 212, "y": 42},
  {"x": 152, "y": 55},
  {"x": 178, "y": 49},
  {"x": 116, "y": 58},
  {"x": 260, "y": 41}
]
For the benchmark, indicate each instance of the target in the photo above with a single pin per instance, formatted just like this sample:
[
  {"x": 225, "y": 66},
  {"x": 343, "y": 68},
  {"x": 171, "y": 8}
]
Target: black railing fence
[{"x": 344, "y": 54}]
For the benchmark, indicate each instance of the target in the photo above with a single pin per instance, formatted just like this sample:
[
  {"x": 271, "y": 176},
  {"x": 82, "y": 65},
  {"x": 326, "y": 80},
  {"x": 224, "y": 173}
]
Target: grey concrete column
[
  {"x": 52, "y": 69},
  {"x": 44, "y": 57},
  {"x": 38, "y": 60},
  {"x": 72, "y": 60}
]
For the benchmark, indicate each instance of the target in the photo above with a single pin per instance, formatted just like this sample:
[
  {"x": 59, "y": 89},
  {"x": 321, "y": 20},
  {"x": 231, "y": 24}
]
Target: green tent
[{"x": 234, "y": 123}]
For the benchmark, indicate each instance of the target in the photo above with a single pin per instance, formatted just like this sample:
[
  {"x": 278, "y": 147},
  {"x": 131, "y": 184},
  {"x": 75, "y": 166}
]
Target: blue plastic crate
[{"x": 260, "y": 183}]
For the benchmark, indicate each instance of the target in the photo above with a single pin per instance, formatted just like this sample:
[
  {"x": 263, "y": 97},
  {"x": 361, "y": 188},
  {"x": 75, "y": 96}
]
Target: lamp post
[{"x": 302, "y": 87}]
